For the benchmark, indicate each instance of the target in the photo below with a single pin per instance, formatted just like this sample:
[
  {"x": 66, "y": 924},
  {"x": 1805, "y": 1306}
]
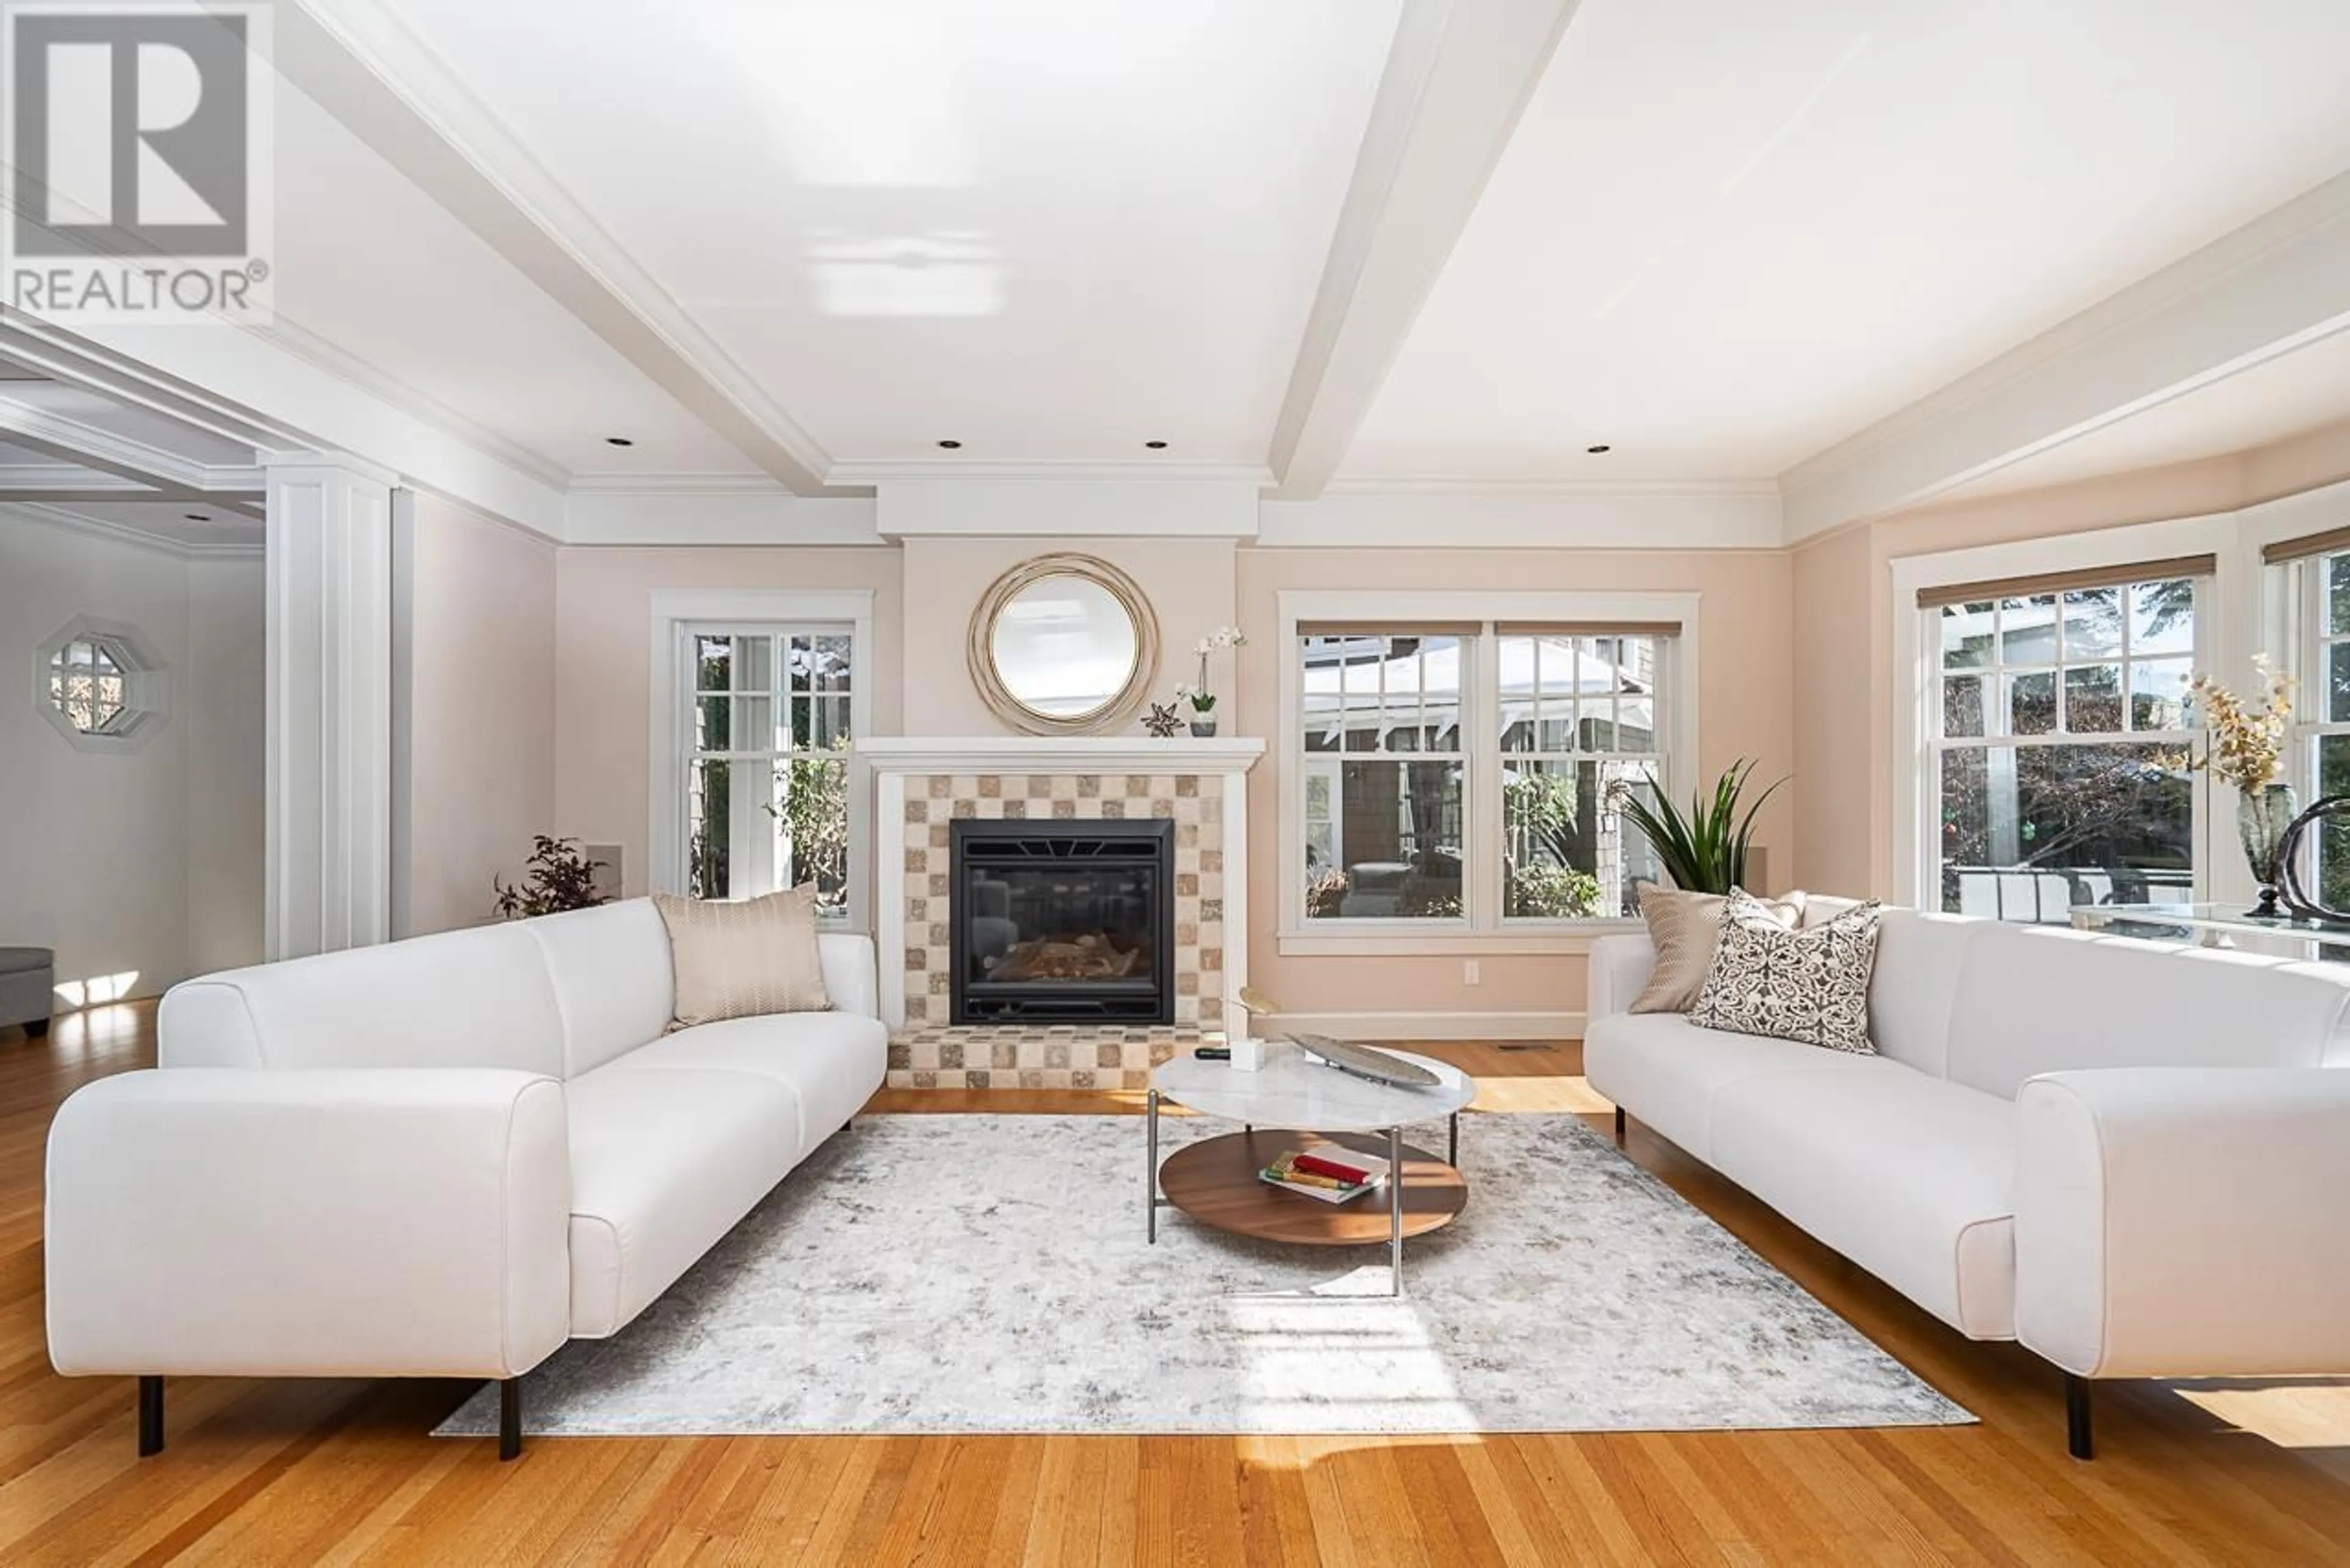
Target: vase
[
  {"x": 2263, "y": 816},
  {"x": 1203, "y": 729}
]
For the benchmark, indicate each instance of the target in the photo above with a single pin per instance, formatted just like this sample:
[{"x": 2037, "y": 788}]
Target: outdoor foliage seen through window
[
  {"x": 88, "y": 685},
  {"x": 1395, "y": 729},
  {"x": 768, "y": 773},
  {"x": 2063, "y": 748}
]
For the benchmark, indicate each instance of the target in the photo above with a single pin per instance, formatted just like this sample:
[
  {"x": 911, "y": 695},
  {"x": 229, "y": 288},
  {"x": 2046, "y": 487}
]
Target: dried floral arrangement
[{"x": 2246, "y": 745}]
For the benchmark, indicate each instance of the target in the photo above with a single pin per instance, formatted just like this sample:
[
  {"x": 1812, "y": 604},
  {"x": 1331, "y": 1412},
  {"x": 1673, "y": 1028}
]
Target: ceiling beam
[
  {"x": 364, "y": 66},
  {"x": 111, "y": 465},
  {"x": 2279, "y": 283},
  {"x": 1458, "y": 78}
]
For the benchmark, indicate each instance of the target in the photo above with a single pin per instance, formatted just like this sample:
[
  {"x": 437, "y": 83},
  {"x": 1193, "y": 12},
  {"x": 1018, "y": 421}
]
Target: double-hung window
[
  {"x": 2318, "y": 609},
  {"x": 1465, "y": 773},
  {"x": 759, "y": 696},
  {"x": 2059, "y": 740}
]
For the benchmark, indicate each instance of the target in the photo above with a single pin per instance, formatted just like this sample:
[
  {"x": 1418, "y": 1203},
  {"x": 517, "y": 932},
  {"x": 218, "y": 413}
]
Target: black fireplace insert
[{"x": 1063, "y": 920}]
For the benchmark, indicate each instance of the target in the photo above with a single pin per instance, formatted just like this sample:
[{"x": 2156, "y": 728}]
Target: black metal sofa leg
[
  {"x": 509, "y": 1419},
  {"x": 2079, "y": 1438},
  {"x": 150, "y": 1416},
  {"x": 1619, "y": 1127}
]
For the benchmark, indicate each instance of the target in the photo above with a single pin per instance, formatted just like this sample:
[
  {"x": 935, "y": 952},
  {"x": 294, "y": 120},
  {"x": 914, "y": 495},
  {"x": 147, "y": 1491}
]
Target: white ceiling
[
  {"x": 1049, "y": 229},
  {"x": 1727, "y": 235}
]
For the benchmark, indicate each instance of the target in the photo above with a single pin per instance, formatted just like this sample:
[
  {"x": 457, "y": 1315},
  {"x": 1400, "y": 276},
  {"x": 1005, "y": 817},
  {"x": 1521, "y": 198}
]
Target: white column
[{"x": 329, "y": 571}]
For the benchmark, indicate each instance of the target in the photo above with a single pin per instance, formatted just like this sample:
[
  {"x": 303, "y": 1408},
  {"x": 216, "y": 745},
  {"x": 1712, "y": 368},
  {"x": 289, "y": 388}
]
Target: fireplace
[{"x": 1062, "y": 920}]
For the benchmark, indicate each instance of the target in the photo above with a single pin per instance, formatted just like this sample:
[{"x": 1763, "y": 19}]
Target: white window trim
[
  {"x": 1294, "y": 935},
  {"x": 675, "y": 609},
  {"x": 2228, "y": 622}
]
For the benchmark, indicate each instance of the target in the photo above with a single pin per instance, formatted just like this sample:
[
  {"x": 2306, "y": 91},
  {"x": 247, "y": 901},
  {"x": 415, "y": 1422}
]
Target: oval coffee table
[{"x": 1216, "y": 1181}]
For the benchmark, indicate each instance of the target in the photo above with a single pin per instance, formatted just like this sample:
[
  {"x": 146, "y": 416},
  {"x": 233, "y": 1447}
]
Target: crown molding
[
  {"x": 1437, "y": 484},
  {"x": 678, "y": 484},
  {"x": 123, "y": 533},
  {"x": 1051, "y": 470}
]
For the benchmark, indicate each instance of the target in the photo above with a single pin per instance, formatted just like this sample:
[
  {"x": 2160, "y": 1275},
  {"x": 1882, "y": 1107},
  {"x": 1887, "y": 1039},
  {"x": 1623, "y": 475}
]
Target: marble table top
[{"x": 1295, "y": 1090}]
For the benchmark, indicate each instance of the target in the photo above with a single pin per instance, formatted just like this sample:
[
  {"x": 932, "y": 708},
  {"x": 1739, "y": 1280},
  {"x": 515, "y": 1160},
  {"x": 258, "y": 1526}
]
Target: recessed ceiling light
[
  {"x": 950, "y": 445},
  {"x": 196, "y": 516},
  {"x": 1595, "y": 450},
  {"x": 1156, "y": 445},
  {"x": 618, "y": 440}
]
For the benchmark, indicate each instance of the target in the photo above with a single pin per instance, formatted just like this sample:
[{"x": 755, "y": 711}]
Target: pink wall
[
  {"x": 1845, "y": 610},
  {"x": 479, "y": 731},
  {"x": 602, "y": 642},
  {"x": 1743, "y": 704},
  {"x": 1189, "y": 581}
]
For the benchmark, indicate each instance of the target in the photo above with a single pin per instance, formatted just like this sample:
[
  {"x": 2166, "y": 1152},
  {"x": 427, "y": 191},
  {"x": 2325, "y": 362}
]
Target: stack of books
[{"x": 1327, "y": 1174}]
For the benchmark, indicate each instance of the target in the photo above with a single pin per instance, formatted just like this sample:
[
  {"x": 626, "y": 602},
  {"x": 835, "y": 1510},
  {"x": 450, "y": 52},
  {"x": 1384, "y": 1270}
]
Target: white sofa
[
  {"x": 438, "y": 1157},
  {"x": 2132, "y": 1157}
]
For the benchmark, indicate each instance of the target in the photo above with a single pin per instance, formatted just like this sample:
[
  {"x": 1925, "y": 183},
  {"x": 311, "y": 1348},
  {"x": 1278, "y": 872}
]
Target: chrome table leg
[
  {"x": 1395, "y": 1212},
  {"x": 1150, "y": 1167}
]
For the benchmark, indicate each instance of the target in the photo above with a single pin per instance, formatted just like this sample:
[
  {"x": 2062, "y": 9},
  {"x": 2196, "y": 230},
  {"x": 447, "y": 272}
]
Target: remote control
[{"x": 1213, "y": 1053}]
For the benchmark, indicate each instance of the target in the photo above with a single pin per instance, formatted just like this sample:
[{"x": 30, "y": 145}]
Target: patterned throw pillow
[
  {"x": 1809, "y": 985},
  {"x": 743, "y": 960}
]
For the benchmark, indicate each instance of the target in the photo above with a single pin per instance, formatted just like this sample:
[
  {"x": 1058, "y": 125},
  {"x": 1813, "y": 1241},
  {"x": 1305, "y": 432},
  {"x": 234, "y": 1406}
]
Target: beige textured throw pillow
[
  {"x": 1683, "y": 927},
  {"x": 743, "y": 960}
]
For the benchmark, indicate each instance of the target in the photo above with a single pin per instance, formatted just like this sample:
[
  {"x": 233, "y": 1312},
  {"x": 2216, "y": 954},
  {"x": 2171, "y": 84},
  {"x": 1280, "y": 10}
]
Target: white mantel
[
  {"x": 894, "y": 759},
  {"x": 1057, "y": 754}
]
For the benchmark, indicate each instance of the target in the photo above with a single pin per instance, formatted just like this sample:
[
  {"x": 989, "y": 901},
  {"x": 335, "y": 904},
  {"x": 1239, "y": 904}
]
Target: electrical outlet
[{"x": 1468, "y": 975}]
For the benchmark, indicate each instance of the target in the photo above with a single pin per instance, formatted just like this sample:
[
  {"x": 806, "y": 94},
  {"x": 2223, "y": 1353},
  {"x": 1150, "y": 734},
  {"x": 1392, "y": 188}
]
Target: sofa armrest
[
  {"x": 2184, "y": 1221},
  {"x": 364, "y": 1223},
  {"x": 848, "y": 974},
  {"x": 1619, "y": 968}
]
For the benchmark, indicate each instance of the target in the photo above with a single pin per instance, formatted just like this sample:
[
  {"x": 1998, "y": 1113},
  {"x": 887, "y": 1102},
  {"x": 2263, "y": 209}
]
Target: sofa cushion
[
  {"x": 1808, "y": 985},
  {"x": 1906, "y": 1175},
  {"x": 1916, "y": 981},
  {"x": 476, "y": 998},
  {"x": 1670, "y": 1073},
  {"x": 663, "y": 1165},
  {"x": 2033, "y": 998},
  {"x": 831, "y": 1062},
  {"x": 611, "y": 974},
  {"x": 1684, "y": 929}
]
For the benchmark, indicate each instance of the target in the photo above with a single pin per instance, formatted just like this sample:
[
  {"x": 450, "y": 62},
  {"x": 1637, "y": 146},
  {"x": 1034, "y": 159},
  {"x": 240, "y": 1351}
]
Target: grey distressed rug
[{"x": 988, "y": 1273}]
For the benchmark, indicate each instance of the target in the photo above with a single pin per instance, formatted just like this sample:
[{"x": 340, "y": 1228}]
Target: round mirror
[{"x": 1062, "y": 645}]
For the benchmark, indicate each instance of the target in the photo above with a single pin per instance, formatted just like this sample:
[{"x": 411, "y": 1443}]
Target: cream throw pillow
[
  {"x": 743, "y": 960},
  {"x": 1683, "y": 927}
]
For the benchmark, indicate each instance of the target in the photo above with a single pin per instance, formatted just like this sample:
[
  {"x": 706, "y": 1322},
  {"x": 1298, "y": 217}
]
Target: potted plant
[
  {"x": 561, "y": 878},
  {"x": 1202, "y": 700},
  {"x": 1705, "y": 851},
  {"x": 2246, "y": 749}
]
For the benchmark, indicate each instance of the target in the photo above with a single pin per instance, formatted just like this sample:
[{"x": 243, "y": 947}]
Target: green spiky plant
[{"x": 1705, "y": 851}]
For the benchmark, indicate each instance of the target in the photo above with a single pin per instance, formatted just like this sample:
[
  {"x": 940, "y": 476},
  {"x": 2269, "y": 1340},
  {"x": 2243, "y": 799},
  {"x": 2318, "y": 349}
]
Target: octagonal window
[{"x": 99, "y": 685}]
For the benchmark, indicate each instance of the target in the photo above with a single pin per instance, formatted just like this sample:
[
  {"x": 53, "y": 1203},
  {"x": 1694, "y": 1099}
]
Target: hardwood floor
[{"x": 262, "y": 1472}]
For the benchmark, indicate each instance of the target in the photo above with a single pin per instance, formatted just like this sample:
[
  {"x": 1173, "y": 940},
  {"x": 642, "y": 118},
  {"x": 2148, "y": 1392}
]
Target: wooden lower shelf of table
[{"x": 1215, "y": 1182}]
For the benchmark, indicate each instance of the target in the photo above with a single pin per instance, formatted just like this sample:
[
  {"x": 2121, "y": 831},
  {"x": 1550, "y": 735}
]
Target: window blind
[{"x": 2065, "y": 582}]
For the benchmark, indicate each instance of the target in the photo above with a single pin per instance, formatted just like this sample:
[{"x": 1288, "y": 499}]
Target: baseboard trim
[{"x": 1433, "y": 1026}]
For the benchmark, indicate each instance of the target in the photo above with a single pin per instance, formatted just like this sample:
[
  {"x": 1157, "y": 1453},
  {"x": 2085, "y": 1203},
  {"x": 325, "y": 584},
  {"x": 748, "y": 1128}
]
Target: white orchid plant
[{"x": 1202, "y": 700}]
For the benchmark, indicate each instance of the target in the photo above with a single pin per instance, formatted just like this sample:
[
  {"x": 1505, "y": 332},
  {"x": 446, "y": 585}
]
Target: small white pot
[{"x": 1248, "y": 1053}]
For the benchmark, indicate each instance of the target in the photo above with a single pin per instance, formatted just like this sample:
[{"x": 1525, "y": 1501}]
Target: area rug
[{"x": 989, "y": 1273}]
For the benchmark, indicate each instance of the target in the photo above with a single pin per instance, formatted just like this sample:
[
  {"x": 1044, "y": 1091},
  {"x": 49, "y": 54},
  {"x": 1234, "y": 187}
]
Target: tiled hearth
[{"x": 923, "y": 785}]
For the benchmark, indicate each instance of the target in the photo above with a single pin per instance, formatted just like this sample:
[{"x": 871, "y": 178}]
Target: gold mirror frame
[{"x": 979, "y": 650}]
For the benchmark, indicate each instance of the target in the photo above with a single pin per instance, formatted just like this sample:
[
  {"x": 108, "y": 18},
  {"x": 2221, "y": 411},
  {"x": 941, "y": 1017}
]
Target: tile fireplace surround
[{"x": 921, "y": 784}]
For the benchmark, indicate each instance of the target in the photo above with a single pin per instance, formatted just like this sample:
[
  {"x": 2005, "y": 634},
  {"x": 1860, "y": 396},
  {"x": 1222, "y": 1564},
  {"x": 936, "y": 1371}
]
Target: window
[
  {"x": 1465, "y": 775},
  {"x": 766, "y": 797},
  {"x": 2322, "y": 710},
  {"x": 2059, "y": 733},
  {"x": 102, "y": 688}
]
